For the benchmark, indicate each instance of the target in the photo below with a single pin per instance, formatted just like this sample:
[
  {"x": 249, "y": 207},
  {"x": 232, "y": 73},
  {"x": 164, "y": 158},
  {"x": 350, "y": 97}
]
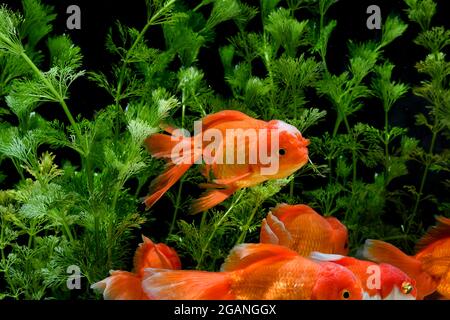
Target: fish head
[
  {"x": 292, "y": 151},
  {"x": 395, "y": 284},
  {"x": 340, "y": 236},
  {"x": 336, "y": 282}
]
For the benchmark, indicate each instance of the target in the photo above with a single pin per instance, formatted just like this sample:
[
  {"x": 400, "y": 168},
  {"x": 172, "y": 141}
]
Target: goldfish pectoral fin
[
  {"x": 162, "y": 183},
  {"x": 210, "y": 198},
  {"x": 168, "y": 256},
  {"x": 275, "y": 231},
  {"x": 439, "y": 231},
  {"x": 243, "y": 255},
  {"x": 325, "y": 257},
  {"x": 266, "y": 234},
  {"x": 380, "y": 251},
  {"x": 121, "y": 285},
  {"x": 162, "y": 284}
]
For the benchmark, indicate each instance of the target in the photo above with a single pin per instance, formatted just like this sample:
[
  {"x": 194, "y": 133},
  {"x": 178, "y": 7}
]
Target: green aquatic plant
[{"x": 72, "y": 185}]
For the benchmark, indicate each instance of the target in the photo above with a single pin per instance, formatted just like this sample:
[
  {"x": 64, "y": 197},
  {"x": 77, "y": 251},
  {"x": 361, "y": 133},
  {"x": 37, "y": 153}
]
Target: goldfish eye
[
  {"x": 346, "y": 245},
  {"x": 407, "y": 287},
  {"x": 282, "y": 152},
  {"x": 345, "y": 294}
]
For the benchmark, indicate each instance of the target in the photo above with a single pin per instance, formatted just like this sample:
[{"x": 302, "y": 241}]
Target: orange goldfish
[
  {"x": 302, "y": 229},
  {"x": 379, "y": 282},
  {"x": 430, "y": 266},
  {"x": 256, "y": 272},
  {"x": 124, "y": 285},
  {"x": 234, "y": 160}
]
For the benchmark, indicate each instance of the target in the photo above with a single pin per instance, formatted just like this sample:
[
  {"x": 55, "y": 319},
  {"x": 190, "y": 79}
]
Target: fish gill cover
[{"x": 77, "y": 105}]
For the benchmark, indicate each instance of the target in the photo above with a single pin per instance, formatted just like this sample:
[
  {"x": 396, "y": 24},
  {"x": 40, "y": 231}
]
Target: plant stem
[
  {"x": 67, "y": 230},
  {"x": 425, "y": 174},
  {"x": 125, "y": 60},
  {"x": 291, "y": 188},
  {"x": 247, "y": 225},
  {"x": 177, "y": 206},
  {"x": 63, "y": 104},
  {"x": 180, "y": 186},
  {"x": 54, "y": 92},
  {"x": 216, "y": 226},
  {"x": 386, "y": 143}
]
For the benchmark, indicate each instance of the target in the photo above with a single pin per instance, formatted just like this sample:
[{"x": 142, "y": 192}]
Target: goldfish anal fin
[
  {"x": 162, "y": 284},
  {"x": 273, "y": 231},
  {"x": 211, "y": 198},
  {"x": 244, "y": 255},
  {"x": 440, "y": 231},
  {"x": 121, "y": 285},
  {"x": 380, "y": 251},
  {"x": 162, "y": 183},
  {"x": 224, "y": 116},
  {"x": 285, "y": 211}
]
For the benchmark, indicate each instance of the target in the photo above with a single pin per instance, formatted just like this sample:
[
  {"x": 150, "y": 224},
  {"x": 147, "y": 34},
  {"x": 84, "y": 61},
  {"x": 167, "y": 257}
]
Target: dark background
[{"x": 97, "y": 17}]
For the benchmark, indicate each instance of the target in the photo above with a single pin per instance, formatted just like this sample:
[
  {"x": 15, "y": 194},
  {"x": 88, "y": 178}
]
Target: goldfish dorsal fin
[
  {"x": 325, "y": 257},
  {"x": 380, "y": 251},
  {"x": 243, "y": 255},
  {"x": 224, "y": 116},
  {"x": 439, "y": 231},
  {"x": 274, "y": 231},
  {"x": 141, "y": 252},
  {"x": 285, "y": 211}
]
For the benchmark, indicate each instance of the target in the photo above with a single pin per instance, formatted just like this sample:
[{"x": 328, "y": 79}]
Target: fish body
[
  {"x": 379, "y": 281},
  {"x": 230, "y": 145},
  {"x": 256, "y": 272},
  {"x": 124, "y": 285},
  {"x": 430, "y": 266},
  {"x": 303, "y": 230}
]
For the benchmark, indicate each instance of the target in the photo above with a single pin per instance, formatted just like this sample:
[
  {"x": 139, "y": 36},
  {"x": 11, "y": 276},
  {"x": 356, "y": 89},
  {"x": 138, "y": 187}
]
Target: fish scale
[{"x": 287, "y": 280}]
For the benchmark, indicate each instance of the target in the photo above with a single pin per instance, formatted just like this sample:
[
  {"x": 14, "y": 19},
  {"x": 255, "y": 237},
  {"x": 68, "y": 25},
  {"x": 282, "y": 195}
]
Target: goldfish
[
  {"x": 234, "y": 160},
  {"x": 256, "y": 272},
  {"x": 124, "y": 285},
  {"x": 379, "y": 281},
  {"x": 303, "y": 230},
  {"x": 430, "y": 266}
]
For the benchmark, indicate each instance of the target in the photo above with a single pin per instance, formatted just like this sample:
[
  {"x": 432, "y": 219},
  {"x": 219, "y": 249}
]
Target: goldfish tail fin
[
  {"x": 380, "y": 251},
  {"x": 243, "y": 255},
  {"x": 162, "y": 146},
  {"x": 211, "y": 198},
  {"x": 439, "y": 231},
  {"x": 273, "y": 231},
  {"x": 162, "y": 183},
  {"x": 163, "y": 284},
  {"x": 120, "y": 285}
]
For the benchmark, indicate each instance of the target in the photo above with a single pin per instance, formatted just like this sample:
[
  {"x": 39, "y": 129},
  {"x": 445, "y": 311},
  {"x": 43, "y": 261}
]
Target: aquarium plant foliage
[{"x": 72, "y": 186}]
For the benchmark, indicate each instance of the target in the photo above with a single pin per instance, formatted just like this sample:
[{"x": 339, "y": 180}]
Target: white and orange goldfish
[{"x": 233, "y": 160}]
